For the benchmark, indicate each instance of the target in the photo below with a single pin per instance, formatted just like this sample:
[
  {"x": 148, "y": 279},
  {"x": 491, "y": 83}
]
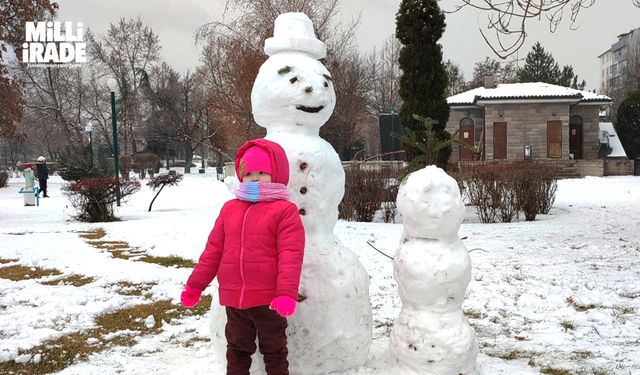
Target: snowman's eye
[
  {"x": 293, "y": 80},
  {"x": 326, "y": 84}
]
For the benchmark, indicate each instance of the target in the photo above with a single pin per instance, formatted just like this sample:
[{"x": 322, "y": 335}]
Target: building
[
  {"x": 531, "y": 120},
  {"x": 614, "y": 61}
]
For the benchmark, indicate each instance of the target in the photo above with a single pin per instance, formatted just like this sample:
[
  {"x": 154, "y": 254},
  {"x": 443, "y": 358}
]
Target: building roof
[{"x": 525, "y": 91}]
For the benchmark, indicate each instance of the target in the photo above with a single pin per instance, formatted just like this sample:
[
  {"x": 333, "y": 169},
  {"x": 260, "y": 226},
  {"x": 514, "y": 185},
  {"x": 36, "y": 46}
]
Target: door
[
  {"x": 554, "y": 139},
  {"x": 467, "y": 136},
  {"x": 575, "y": 136},
  {"x": 499, "y": 140}
]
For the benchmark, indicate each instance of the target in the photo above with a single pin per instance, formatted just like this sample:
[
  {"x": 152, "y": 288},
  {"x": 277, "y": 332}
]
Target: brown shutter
[
  {"x": 499, "y": 140},
  {"x": 554, "y": 139}
]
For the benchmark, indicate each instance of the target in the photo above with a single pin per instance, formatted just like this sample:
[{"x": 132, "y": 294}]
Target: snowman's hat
[{"x": 294, "y": 32}]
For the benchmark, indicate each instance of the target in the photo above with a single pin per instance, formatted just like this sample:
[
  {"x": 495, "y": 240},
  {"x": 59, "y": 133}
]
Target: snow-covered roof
[
  {"x": 614, "y": 141},
  {"x": 525, "y": 91}
]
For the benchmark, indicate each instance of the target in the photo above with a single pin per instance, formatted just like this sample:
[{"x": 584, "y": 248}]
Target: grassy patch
[
  {"x": 5, "y": 261},
  {"x": 567, "y": 325},
  {"x": 554, "y": 371},
  {"x": 131, "y": 289},
  {"x": 580, "y": 307},
  {"x": 473, "y": 314},
  {"x": 582, "y": 354},
  {"x": 514, "y": 354},
  {"x": 55, "y": 355},
  {"x": 17, "y": 272},
  {"x": 75, "y": 280},
  {"x": 172, "y": 261},
  {"x": 93, "y": 234}
]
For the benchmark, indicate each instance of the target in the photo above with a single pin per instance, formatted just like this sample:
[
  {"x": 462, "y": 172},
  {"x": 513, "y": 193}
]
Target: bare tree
[
  {"x": 233, "y": 54},
  {"x": 126, "y": 52},
  {"x": 386, "y": 74},
  {"x": 507, "y": 19}
]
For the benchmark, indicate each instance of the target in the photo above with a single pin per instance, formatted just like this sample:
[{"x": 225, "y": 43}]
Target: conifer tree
[
  {"x": 423, "y": 84},
  {"x": 539, "y": 66},
  {"x": 627, "y": 124}
]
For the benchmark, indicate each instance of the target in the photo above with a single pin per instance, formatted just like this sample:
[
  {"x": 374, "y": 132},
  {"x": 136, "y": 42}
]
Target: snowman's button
[
  {"x": 302, "y": 211},
  {"x": 303, "y": 190},
  {"x": 303, "y": 166}
]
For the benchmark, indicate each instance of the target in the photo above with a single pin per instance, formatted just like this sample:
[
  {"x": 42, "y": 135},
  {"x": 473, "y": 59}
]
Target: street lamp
[
  {"x": 89, "y": 129},
  {"x": 112, "y": 83}
]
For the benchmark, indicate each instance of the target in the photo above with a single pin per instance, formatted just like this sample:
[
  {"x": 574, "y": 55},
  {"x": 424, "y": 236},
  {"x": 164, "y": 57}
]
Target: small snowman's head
[
  {"x": 293, "y": 90},
  {"x": 430, "y": 202}
]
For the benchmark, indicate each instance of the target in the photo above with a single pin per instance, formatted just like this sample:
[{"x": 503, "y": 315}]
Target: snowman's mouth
[{"x": 309, "y": 109}]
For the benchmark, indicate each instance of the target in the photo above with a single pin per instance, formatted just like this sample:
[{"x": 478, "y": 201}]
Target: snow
[
  {"x": 524, "y": 273},
  {"x": 614, "y": 140},
  {"x": 527, "y": 90},
  {"x": 432, "y": 268}
]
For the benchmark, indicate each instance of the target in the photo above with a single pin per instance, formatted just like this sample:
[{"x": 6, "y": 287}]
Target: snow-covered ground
[{"x": 560, "y": 293}]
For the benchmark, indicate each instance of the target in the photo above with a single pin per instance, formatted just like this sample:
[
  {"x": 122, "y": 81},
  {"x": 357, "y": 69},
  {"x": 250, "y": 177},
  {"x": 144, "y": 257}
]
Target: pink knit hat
[{"x": 256, "y": 159}]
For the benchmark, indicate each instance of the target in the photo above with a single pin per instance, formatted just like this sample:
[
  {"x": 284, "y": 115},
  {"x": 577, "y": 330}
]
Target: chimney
[{"x": 490, "y": 82}]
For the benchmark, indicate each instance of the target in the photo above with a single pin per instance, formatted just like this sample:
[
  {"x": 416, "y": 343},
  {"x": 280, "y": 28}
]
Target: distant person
[
  {"x": 29, "y": 183},
  {"x": 605, "y": 149},
  {"x": 43, "y": 175}
]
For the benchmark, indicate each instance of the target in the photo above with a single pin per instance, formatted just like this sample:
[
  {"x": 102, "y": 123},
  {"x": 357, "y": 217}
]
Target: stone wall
[
  {"x": 527, "y": 125},
  {"x": 618, "y": 167}
]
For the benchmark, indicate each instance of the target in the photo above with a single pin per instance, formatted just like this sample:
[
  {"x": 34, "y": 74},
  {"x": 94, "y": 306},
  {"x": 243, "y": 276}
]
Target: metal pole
[{"x": 116, "y": 156}]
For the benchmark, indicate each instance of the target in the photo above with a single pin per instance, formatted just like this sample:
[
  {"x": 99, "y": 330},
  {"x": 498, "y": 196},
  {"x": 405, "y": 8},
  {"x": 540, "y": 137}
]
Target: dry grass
[
  {"x": 93, "y": 234},
  {"x": 122, "y": 250},
  {"x": 554, "y": 371},
  {"x": 131, "y": 289},
  {"x": 172, "y": 261},
  {"x": 5, "y": 261},
  {"x": 18, "y": 272},
  {"x": 68, "y": 349},
  {"x": 75, "y": 280}
]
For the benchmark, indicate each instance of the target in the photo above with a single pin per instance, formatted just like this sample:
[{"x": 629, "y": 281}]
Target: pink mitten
[
  {"x": 284, "y": 305},
  {"x": 190, "y": 296}
]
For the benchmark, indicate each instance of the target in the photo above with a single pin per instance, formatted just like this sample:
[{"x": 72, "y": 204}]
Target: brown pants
[{"x": 241, "y": 329}]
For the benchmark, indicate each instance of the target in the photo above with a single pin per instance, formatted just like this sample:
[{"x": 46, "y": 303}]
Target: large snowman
[
  {"x": 431, "y": 336},
  {"x": 292, "y": 97}
]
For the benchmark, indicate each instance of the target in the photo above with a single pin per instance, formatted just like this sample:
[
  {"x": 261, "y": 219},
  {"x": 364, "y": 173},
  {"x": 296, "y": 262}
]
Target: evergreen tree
[
  {"x": 423, "y": 84},
  {"x": 627, "y": 124},
  {"x": 539, "y": 66}
]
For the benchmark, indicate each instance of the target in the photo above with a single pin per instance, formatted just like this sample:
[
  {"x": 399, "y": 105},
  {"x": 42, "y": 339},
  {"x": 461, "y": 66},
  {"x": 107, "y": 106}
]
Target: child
[{"x": 255, "y": 249}]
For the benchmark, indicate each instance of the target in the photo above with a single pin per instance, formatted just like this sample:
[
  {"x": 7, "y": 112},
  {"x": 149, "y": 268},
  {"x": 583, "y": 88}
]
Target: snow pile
[{"x": 432, "y": 268}]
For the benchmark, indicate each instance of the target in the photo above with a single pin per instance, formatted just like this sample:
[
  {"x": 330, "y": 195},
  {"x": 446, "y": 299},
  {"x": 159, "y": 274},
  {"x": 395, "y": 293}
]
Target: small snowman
[
  {"x": 431, "y": 336},
  {"x": 292, "y": 97}
]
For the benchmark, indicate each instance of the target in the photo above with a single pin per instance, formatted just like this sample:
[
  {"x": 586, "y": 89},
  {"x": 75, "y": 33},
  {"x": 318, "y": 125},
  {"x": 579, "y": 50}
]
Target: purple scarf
[{"x": 262, "y": 191}]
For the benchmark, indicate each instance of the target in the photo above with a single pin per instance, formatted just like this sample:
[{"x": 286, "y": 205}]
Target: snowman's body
[
  {"x": 292, "y": 98},
  {"x": 431, "y": 336}
]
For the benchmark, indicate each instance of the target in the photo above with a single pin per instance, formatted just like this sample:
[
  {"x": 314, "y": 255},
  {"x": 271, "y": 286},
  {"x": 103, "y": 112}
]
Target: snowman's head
[
  {"x": 293, "y": 91},
  {"x": 430, "y": 202}
]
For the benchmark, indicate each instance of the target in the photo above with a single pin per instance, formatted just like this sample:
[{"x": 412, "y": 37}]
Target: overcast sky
[{"x": 175, "y": 21}]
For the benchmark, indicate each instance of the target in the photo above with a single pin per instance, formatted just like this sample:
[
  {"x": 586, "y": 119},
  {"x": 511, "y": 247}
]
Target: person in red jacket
[{"x": 255, "y": 249}]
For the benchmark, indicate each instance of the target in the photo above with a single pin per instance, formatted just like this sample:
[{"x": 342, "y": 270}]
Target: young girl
[{"x": 255, "y": 249}]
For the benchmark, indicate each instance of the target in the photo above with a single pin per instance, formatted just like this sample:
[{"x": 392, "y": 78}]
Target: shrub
[
  {"x": 159, "y": 182},
  {"x": 75, "y": 165},
  {"x": 368, "y": 188},
  {"x": 500, "y": 190},
  {"x": 144, "y": 162},
  {"x": 4, "y": 179},
  {"x": 93, "y": 198}
]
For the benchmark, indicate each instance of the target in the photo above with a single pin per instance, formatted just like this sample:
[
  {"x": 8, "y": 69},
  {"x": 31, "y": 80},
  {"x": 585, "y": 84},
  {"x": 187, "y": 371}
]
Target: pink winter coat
[{"x": 255, "y": 249}]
